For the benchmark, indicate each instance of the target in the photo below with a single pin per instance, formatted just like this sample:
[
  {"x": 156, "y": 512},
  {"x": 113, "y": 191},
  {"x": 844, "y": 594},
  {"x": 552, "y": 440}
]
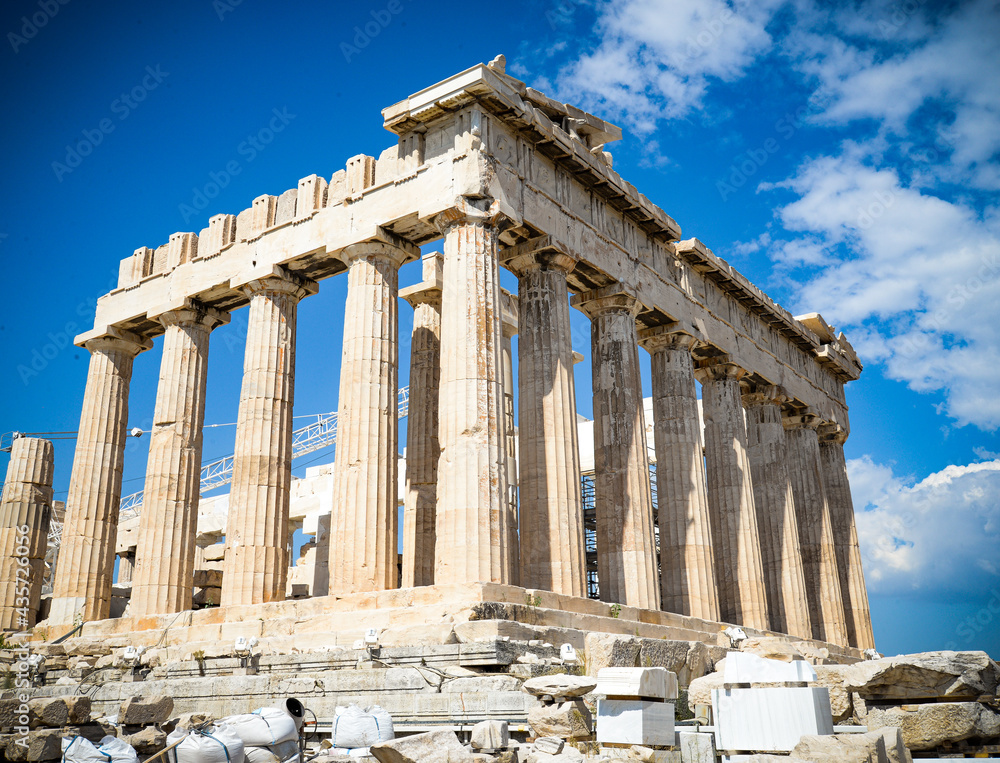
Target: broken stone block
[
  {"x": 566, "y": 720},
  {"x": 146, "y": 741},
  {"x": 700, "y": 690},
  {"x": 832, "y": 677},
  {"x": 771, "y": 648},
  {"x": 192, "y": 720},
  {"x": 850, "y": 748},
  {"x": 55, "y": 712},
  {"x": 697, "y": 747},
  {"x": 605, "y": 650},
  {"x": 549, "y": 745},
  {"x": 568, "y": 755},
  {"x": 42, "y": 745},
  {"x": 430, "y": 747},
  {"x": 928, "y": 675},
  {"x": 651, "y": 683},
  {"x": 490, "y": 735},
  {"x": 143, "y": 711},
  {"x": 560, "y": 685},
  {"x": 929, "y": 725}
]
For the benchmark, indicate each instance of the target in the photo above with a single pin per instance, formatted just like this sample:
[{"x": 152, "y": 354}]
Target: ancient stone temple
[{"x": 754, "y": 524}]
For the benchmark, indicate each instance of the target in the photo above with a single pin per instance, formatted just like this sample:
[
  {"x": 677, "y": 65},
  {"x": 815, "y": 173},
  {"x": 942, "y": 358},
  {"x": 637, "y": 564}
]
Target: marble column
[
  {"x": 687, "y": 567},
  {"x": 508, "y": 330},
  {"x": 25, "y": 511},
  {"x": 845, "y": 536},
  {"x": 168, "y": 524},
  {"x": 422, "y": 447},
  {"x": 826, "y": 606},
  {"x": 472, "y": 518},
  {"x": 255, "y": 568},
  {"x": 778, "y": 527},
  {"x": 363, "y": 525},
  {"x": 626, "y": 544},
  {"x": 553, "y": 557},
  {"x": 738, "y": 568},
  {"x": 82, "y": 586},
  {"x": 126, "y": 568}
]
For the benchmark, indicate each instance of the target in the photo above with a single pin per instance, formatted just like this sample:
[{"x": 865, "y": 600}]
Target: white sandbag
[
  {"x": 79, "y": 750},
  {"x": 263, "y": 728},
  {"x": 220, "y": 744},
  {"x": 119, "y": 750},
  {"x": 283, "y": 752},
  {"x": 386, "y": 732},
  {"x": 353, "y": 727},
  {"x": 359, "y": 752}
]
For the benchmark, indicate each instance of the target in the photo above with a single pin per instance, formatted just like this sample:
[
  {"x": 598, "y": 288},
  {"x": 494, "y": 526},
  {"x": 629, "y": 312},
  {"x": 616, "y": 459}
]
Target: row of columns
[{"x": 755, "y": 484}]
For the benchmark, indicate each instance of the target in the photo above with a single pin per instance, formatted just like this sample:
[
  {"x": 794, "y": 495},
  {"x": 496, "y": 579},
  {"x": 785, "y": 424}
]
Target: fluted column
[
  {"x": 508, "y": 330},
  {"x": 422, "y": 447},
  {"x": 687, "y": 567},
  {"x": 126, "y": 568},
  {"x": 363, "y": 524},
  {"x": 626, "y": 544},
  {"x": 826, "y": 606},
  {"x": 255, "y": 569},
  {"x": 86, "y": 566},
  {"x": 168, "y": 524},
  {"x": 472, "y": 511},
  {"x": 738, "y": 568},
  {"x": 845, "y": 536},
  {"x": 553, "y": 557},
  {"x": 25, "y": 511},
  {"x": 778, "y": 527}
]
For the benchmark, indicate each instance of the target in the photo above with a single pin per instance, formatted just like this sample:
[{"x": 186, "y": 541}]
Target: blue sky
[{"x": 842, "y": 156}]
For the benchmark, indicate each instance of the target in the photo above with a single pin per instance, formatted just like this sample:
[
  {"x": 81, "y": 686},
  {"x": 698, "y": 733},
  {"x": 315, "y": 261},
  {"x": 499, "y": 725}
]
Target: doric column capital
[
  {"x": 422, "y": 294},
  {"x": 607, "y": 299},
  {"x": 793, "y": 420},
  {"x": 116, "y": 340},
  {"x": 540, "y": 253},
  {"x": 832, "y": 432},
  {"x": 665, "y": 338},
  {"x": 279, "y": 281},
  {"x": 763, "y": 394},
  {"x": 481, "y": 212},
  {"x": 718, "y": 368},
  {"x": 395, "y": 255},
  {"x": 190, "y": 313}
]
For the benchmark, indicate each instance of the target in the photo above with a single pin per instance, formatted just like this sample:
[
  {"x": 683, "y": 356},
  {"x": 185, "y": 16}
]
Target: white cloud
[
  {"x": 940, "y": 535},
  {"x": 655, "y": 58},
  {"x": 913, "y": 278}
]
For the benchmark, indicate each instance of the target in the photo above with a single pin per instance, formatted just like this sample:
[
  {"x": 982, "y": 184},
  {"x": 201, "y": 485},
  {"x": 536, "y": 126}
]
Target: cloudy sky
[{"x": 845, "y": 157}]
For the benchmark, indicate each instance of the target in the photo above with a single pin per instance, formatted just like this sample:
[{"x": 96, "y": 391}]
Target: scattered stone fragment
[
  {"x": 430, "y": 747},
  {"x": 931, "y": 724},
  {"x": 147, "y": 740},
  {"x": 929, "y": 675},
  {"x": 490, "y": 735},
  {"x": 872, "y": 747},
  {"x": 549, "y": 745},
  {"x": 566, "y": 720},
  {"x": 560, "y": 685},
  {"x": 43, "y": 744},
  {"x": 143, "y": 711}
]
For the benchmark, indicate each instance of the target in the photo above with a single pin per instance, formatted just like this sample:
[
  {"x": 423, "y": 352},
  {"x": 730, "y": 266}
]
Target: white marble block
[
  {"x": 635, "y": 721},
  {"x": 746, "y": 668},
  {"x": 696, "y": 747},
  {"x": 647, "y": 683},
  {"x": 769, "y": 720}
]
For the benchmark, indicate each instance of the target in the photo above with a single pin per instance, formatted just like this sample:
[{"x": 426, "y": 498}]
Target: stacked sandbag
[
  {"x": 356, "y": 729},
  {"x": 111, "y": 750},
  {"x": 269, "y": 735},
  {"x": 219, "y": 744}
]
